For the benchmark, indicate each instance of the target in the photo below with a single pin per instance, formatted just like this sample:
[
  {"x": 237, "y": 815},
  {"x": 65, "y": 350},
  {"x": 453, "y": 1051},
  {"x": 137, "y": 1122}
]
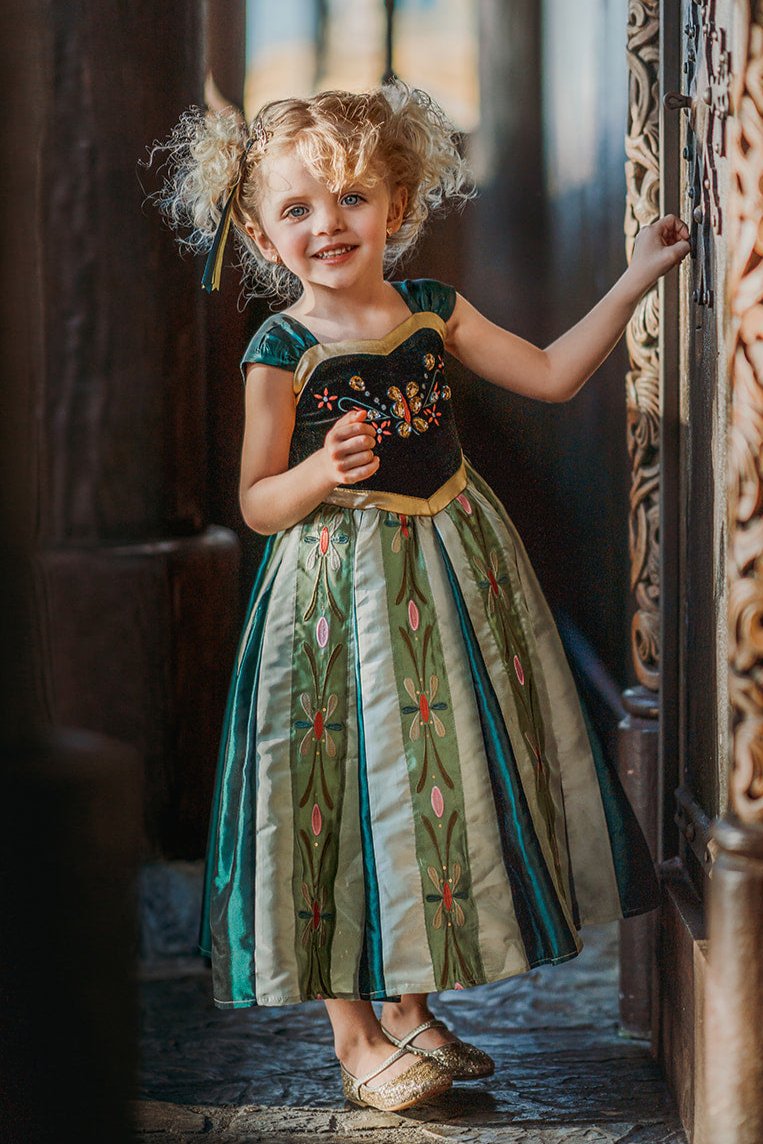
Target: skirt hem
[
  {"x": 378, "y": 995},
  {"x": 404, "y": 988}
]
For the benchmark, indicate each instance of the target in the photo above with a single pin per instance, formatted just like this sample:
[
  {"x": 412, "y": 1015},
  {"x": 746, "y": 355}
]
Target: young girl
[{"x": 409, "y": 798}]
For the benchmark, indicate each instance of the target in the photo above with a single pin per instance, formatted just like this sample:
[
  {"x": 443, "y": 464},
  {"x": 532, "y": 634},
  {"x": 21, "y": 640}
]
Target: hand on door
[{"x": 657, "y": 249}]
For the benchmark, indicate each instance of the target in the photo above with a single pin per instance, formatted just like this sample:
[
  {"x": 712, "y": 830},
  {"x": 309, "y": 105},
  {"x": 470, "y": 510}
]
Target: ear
[
  {"x": 266, "y": 247},
  {"x": 397, "y": 203}
]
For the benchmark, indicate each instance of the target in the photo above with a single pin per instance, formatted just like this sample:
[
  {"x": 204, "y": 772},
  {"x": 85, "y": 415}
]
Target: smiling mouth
[{"x": 333, "y": 252}]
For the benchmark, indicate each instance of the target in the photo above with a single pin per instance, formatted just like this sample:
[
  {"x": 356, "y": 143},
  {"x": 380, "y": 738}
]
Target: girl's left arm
[{"x": 559, "y": 371}]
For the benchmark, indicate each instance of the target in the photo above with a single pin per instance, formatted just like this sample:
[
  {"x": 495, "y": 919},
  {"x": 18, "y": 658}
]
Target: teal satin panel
[
  {"x": 228, "y": 889},
  {"x": 371, "y": 971},
  {"x": 545, "y": 931},
  {"x": 637, "y": 882}
]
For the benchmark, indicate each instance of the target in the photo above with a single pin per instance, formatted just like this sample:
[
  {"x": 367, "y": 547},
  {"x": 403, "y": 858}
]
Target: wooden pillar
[
  {"x": 638, "y": 747},
  {"x": 136, "y": 586},
  {"x": 69, "y": 799},
  {"x": 734, "y": 993}
]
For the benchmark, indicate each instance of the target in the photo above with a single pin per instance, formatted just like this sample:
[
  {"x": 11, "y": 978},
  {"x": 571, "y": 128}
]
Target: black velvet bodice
[{"x": 399, "y": 380}]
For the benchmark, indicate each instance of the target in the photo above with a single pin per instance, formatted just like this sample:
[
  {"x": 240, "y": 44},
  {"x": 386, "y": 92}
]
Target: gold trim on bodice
[
  {"x": 312, "y": 357},
  {"x": 398, "y": 502}
]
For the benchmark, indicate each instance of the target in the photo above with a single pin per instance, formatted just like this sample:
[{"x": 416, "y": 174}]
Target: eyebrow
[
  {"x": 286, "y": 198},
  {"x": 289, "y": 199}
]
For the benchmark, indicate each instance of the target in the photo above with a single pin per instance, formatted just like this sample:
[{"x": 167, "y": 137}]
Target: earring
[
  {"x": 276, "y": 258},
  {"x": 389, "y": 231}
]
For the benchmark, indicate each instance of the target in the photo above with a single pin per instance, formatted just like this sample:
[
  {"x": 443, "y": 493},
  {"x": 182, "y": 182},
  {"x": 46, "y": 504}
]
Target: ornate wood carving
[
  {"x": 745, "y": 452},
  {"x": 642, "y": 146}
]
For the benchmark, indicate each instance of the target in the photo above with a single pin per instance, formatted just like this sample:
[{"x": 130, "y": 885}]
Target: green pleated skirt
[{"x": 409, "y": 796}]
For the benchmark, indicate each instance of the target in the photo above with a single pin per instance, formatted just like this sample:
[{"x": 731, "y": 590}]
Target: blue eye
[
  {"x": 352, "y": 195},
  {"x": 290, "y": 213}
]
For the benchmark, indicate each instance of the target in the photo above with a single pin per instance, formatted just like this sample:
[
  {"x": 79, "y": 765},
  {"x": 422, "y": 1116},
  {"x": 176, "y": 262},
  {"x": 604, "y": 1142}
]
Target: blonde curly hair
[{"x": 393, "y": 133}]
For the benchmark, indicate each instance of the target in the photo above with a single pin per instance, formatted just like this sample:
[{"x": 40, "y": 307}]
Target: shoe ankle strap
[
  {"x": 431, "y": 1024},
  {"x": 374, "y": 1072}
]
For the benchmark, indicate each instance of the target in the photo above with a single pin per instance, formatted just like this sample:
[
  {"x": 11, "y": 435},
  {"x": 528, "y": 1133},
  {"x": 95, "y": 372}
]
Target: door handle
[{"x": 675, "y": 100}]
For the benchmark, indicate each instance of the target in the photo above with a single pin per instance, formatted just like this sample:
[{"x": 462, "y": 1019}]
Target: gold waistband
[{"x": 398, "y": 502}]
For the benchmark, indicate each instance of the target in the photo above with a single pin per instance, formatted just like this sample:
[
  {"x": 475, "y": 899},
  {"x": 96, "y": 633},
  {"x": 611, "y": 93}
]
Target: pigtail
[
  {"x": 204, "y": 159},
  {"x": 207, "y": 164}
]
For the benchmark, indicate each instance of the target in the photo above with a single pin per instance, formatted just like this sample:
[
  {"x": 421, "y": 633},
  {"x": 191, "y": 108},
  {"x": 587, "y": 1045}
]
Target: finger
[
  {"x": 349, "y": 450},
  {"x": 353, "y": 437},
  {"x": 676, "y": 253},
  {"x": 354, "y": 445},
  {"x": 365, "y": 427},
  {"x": 359, "y": 460},
  {"x": 672, "y": 231},
  {"x": 680, "y": 245},
  {"x": 357, "y": 474},
  {"x": 349, "y": 421},
  {"x": 679, "y": 227},
  {"x": 344, "y": 428},
  {"x": 355, "y": 420}
]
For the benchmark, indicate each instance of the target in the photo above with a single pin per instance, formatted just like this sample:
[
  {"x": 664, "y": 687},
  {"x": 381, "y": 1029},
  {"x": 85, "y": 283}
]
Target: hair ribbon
[{"x": 210, "y": 279}]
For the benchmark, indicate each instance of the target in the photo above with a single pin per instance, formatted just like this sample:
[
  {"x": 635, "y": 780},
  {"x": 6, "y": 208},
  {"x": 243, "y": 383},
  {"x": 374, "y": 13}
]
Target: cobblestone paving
[{"x": 563, "y": 1074}]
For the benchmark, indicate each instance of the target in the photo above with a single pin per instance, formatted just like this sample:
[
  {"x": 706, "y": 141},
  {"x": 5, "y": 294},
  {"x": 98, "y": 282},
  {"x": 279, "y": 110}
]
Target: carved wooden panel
[
  {"x": 745, "y": 447},
  {"x": 642, "y": 392}
]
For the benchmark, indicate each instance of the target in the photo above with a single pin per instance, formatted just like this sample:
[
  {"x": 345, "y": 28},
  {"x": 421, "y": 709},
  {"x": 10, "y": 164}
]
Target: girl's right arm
[{"x": 273, "y": 496}]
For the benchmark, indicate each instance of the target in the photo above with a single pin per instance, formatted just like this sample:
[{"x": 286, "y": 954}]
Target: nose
[{"x": 327, "y": 219}]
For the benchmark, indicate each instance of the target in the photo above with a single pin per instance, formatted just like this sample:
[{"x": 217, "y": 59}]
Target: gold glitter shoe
[
  {"x": 420, "y": 1082},
  {"x": 462, "y": 1060}
]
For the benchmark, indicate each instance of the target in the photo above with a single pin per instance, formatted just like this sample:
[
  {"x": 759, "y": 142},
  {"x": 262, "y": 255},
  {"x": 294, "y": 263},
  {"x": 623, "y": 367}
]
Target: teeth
[{"x": 334, "y": 250}]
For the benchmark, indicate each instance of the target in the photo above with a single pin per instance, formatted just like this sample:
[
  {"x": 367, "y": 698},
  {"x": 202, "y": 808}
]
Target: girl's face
[{"x": 329, "y": 240}]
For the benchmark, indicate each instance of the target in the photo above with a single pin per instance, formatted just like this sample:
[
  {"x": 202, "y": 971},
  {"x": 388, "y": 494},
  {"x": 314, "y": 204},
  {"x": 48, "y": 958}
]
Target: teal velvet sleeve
[
  {"x": 279, "y": 342},
  {"x": 428, "y": 294}
]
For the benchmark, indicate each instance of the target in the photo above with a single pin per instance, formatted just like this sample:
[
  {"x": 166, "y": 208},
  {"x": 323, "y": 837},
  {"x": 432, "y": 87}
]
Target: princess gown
[{"x": 409, "y": 795}]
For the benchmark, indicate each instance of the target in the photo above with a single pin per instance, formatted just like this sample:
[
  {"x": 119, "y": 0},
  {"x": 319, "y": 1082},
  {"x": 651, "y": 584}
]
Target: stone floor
[{"x": 563, "y": 1076}]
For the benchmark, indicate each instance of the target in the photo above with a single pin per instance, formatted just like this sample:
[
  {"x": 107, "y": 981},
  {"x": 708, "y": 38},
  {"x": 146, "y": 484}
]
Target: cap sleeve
[
  {"x": 428, "y": 294},
  {"x": 279, "y": 342}
]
